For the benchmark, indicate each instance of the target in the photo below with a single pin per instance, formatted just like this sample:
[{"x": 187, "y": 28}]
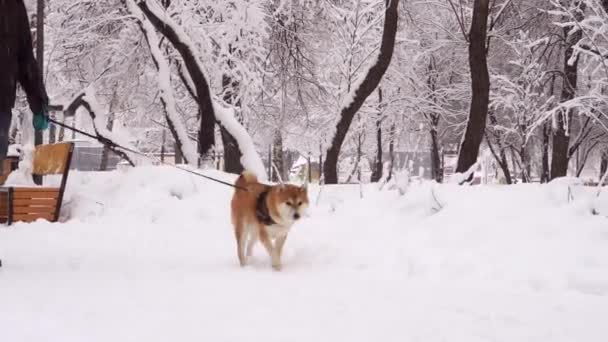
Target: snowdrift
[{"x": 148, "y": 254}]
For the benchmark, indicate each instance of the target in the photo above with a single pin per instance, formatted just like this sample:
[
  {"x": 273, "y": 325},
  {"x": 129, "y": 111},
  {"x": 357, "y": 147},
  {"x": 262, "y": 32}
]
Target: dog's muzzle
[{"x": 296, "y": 216}]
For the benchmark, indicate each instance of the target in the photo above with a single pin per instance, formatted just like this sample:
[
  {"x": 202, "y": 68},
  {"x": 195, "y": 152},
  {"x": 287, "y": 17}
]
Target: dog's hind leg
[
  {"x": 252, "y": 239},
  {"x": 241, "y": 238}
]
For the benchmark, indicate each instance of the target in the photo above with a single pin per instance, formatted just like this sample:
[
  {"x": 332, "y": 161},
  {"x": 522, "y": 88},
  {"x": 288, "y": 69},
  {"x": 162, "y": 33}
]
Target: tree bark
[
  {"x": 232, "y": 152},
  {"x": 480, "y": 84},
  {"x": 370, "y": 82},
  {"x": 162, "y": 146},
  {"x": 206, "y": 134},
  {"x": 561, "y": 134},
  {"x": 501, "y": 158},
  {"x": 391, "y": 151},
  {"x": 358, "y": 158},
  {"x": 436, "y": 169},
  {"x": 545, "y": 172},
  {"x": 277, "y": 157},
  {"x": 500, "y": 155},
  {"x": 603, "y": 163},
  {"x": 378, "y": 165},
  {"x": 178, "y": 154},
  {"x": 61, "y": 134}
]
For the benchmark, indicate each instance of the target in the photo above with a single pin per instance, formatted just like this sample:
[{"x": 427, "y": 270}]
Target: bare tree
[
  {"x": 561, "y": 133},
  {"x": 480, "y": 84},
  {"x": 360, "y": 93}
]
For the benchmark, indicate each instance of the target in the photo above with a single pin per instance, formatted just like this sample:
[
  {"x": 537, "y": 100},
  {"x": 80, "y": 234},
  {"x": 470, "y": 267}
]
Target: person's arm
[{"x": 30, "y": 76}]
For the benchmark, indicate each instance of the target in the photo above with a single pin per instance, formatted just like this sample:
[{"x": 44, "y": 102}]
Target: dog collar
[{"x": 261, "y": 209}]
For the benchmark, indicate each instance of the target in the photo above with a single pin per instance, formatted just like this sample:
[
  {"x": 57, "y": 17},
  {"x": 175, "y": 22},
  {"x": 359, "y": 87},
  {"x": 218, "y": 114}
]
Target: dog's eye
[
  {"x": 289, "y": 203},
  {"x": 299, "y": 203}
]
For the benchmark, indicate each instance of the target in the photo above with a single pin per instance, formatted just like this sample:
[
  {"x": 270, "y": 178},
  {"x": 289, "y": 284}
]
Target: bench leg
[{"x": 9, "y": 216}]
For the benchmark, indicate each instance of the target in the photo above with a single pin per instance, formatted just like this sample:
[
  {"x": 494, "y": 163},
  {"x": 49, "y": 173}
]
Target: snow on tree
[
  {"x": 174, "y": 121},
  {"x": 361, "y": 89},
  {"x": 187, "y": 49}
]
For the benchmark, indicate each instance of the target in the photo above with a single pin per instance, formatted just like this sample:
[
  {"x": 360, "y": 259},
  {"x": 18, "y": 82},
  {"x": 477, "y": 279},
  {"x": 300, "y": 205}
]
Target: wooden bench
[{"x": 28, "y": 204}]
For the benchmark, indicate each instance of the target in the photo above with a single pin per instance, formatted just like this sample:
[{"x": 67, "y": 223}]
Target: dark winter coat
[{"x": 17, "y": 63}]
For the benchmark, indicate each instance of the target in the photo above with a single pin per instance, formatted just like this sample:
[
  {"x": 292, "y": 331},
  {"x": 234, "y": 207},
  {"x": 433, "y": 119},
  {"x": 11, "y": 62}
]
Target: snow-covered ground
[{"x": 148, "y": 255}]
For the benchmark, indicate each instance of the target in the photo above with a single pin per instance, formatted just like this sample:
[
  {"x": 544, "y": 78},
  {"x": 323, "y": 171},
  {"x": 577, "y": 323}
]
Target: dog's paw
[{"x": 277, "y": 267}]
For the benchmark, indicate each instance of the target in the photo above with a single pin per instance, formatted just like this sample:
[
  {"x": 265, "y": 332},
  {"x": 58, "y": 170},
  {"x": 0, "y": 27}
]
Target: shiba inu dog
[{"x": 265, "y": 213}]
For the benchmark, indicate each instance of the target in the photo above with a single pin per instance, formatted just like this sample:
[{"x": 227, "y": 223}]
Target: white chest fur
[{"x": 277, "y": 230}]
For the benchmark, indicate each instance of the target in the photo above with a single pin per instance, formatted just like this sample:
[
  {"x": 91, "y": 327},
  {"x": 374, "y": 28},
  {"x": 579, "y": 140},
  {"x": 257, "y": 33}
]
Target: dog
[{"x": 265, "y": 213}]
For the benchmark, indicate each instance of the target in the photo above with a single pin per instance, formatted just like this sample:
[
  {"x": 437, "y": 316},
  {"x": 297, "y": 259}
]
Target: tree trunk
[
  {"x": 561, "y": 134},
  {"x": 162, "y": 146},
  {"x": 436, "y": 169},
  {"x": 525, "y": 164},
  {"x": 603, "y": 163},
  {"x": 545, "y": 172},
  {"x": 206, "y": 135},
  {"x": 61, "y": 134},
  {"x": 232, "y": 153},
  {"x": 320, "y": 162},
  {"x": 358, "y": 158},
  {"x": 178, "y": 154},
  {"x": 583, "y": 161},
  {"x": 377, "y": 172},
  {"x": 514, "y": 162},
  {"x": 500, "y": 155},
  {"x": 391, "y": 151},
  {"x": 174, "y": 121},
  {"x": 277, "y": 157},
  {"x": 480, "y": 84},
  {"x": 370, "y": 82},
  {"x": 106, "y": 150},
  {"x": 501, "y": 159}
]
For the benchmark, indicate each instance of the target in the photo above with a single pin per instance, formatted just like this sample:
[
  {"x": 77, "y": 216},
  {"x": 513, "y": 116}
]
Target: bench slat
[
  {"x": 36, "y": 195},
  {"x": 32, "y": 217},
  {"x": 34, "y": 210},
  {"x": 35, "y": 189},
  {"x": 23, "y": 202}
]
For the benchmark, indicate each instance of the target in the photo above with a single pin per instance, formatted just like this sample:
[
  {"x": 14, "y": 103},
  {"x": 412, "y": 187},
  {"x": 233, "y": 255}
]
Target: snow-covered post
[{"x": 174, "y": 121}]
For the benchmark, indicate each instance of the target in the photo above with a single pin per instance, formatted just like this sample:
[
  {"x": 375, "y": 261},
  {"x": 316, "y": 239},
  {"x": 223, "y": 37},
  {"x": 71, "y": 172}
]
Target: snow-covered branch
[{"x": 174, "y": 121}]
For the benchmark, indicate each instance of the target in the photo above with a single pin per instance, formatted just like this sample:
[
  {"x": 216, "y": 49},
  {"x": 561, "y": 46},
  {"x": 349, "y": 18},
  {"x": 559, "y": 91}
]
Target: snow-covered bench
[{"x": 28, "y": 204}]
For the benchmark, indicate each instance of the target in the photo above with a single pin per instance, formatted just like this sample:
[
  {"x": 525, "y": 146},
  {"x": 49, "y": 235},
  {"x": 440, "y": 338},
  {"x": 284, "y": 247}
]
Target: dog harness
[{"x": 261, "y": 209}]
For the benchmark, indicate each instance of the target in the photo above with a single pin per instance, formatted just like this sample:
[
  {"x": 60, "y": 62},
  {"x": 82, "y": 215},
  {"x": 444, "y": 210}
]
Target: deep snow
[{"x": 148, "y": 255}]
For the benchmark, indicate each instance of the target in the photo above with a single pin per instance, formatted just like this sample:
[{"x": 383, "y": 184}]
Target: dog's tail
[{"x": 246, "y": 178}]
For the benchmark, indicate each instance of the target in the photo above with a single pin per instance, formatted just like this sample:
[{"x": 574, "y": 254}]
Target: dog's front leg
[
  {"x": 278, "y": 246},
  {"x": 272, "y": 252}
]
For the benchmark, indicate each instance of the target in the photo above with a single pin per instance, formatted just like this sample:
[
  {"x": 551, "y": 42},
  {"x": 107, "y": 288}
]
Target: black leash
[{"x": 109, "y": 142}]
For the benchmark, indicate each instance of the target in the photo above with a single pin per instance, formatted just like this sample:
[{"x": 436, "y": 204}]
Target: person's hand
[{"x": 40, "y": 121}]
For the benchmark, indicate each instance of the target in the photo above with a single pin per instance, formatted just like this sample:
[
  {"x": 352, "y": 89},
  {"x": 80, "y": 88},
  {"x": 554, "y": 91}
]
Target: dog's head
[{"x": 291, "y": 202}]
